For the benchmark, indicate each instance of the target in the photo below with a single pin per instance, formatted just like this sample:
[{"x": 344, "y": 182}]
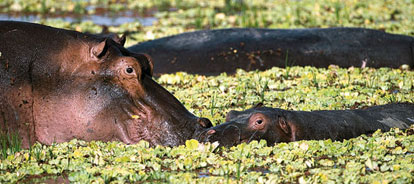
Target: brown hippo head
[
  {"x": 60, "y": 85},
  {"x": 252, "y": 124}
]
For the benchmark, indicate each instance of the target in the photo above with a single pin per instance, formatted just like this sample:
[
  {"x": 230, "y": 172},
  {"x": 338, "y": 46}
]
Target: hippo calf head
[
  {"x": 253, "y": 124},
  {"x": 86, "y": 87}
]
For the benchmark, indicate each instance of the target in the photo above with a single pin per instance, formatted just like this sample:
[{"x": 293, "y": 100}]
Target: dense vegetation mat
[{"x": 381, "y": 157}]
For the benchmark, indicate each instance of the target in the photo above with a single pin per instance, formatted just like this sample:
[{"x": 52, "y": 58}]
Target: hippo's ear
[
  {"x": 146, "y": 63},
  {"x": 284, "y": 125},
  {"x": 120, "y": 40},
  {"x": 99, "y": 49}
]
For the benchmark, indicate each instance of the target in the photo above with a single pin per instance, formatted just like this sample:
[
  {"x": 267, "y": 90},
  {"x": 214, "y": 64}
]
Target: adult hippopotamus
[
  {"x": 57, "y": 85},
  {"x": 225, "y": 50},
  {"x": 277, "y": 125}
]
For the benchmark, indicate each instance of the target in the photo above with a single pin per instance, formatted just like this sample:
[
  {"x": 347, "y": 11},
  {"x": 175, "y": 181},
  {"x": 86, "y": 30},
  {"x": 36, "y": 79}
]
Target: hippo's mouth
[
  {"x": 137, "y": 126},
  {"x": 143, "y": 123},
  {"x": 245, "y": 140},
  {"x": 133, "y": 129},
  {"x": 136, "y": 131},
  {"x": 248, "y": 139}
]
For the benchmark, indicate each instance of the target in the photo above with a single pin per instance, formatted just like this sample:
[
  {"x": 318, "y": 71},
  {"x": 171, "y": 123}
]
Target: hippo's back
[
  {"x": 400, "y": 115},
  {"x": 345, "y": 124},
  {"x": 225, "y": 50}
]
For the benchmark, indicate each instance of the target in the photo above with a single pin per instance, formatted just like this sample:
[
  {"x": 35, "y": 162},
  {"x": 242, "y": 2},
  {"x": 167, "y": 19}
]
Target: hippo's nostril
[
  {"x": 211, "y": 132},
  {"x": 205, "y": 135}
]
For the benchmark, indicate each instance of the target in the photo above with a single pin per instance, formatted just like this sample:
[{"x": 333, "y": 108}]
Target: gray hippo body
[{"x": 225, "y": 50}]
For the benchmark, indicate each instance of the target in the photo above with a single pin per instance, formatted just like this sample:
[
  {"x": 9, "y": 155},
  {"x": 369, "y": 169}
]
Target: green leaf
[{"x": 191, "y": 144}]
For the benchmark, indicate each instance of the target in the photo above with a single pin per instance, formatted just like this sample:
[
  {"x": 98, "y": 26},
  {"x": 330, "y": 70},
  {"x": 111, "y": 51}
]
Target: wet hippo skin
[
  {"x": 277, "y": 125},
  {"x": 225, "y": 50},
  {"x": 57, "y": 85}
]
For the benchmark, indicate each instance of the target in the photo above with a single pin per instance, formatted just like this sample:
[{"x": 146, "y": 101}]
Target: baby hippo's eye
[
  {"x": 129, "y": 70},
  {"x": 258, "y": 121}
]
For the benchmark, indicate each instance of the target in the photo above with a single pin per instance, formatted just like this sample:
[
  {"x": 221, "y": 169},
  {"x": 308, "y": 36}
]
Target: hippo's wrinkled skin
[
  {"x": 225, "y": 50},
  {"x": 277, "y": 125},
  {"x": 57, "y": 85}
]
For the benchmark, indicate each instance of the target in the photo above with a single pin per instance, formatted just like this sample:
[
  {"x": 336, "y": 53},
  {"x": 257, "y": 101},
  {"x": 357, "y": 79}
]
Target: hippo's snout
[{"x": 226, "y": 135}]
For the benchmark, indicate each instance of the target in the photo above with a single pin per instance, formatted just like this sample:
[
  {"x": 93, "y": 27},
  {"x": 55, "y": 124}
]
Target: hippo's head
[
  {"x": 253, "y": 124},
  {"x": 98, "y": 90}
]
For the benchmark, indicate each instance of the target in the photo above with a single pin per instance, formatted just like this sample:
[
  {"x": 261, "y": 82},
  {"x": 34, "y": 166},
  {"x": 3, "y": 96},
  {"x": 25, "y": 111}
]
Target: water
[
  {"x": 46, "y": 178},
  {"x": 29, "y": 18},
  {"x": 203, "y": 174},
  {"x": 97, "y": 19}
]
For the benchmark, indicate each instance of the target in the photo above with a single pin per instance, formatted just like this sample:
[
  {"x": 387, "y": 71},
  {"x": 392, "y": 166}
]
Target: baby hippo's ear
[
  {"x": 287, "y": 127},
  {"x": 98, "y": 50},
  {"x": 284, "y": 125}
]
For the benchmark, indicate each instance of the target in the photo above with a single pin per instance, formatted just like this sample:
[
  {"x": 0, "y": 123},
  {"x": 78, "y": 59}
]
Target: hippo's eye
[
  {"x": 259, "y": 121},
  {"x": 129, "y": 70}
]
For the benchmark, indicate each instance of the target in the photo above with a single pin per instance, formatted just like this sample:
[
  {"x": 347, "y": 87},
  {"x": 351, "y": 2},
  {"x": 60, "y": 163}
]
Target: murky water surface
[
  {"x": 46, "y": 178},
  {"x": 97, "y": 19}
]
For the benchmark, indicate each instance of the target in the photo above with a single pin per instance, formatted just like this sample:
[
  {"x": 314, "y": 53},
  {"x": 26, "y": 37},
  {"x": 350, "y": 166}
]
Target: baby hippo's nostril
[
  {"x": 206, "y": 135},
  {"x": 211, "y": 132}
]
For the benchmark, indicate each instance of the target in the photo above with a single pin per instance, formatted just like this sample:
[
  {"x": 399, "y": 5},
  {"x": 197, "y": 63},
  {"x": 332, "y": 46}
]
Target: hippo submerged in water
[
  {"x": 57, "y": 85},
  {"x": 225, "y": 50},
  {"x": 277, "y": 125}
]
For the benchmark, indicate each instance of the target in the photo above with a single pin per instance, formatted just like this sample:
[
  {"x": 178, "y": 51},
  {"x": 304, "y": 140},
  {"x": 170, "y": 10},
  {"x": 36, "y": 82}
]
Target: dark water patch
[
  {"x": 204, "y": 174},
  {"x": 96, "y": 19},
  {"x": 46, "y": 178},
  {"x": 259, "y": 169}
]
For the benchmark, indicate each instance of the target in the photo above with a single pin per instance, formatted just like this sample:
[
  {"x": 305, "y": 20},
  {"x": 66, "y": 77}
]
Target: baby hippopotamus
[{"x": 277, "y": 125}]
